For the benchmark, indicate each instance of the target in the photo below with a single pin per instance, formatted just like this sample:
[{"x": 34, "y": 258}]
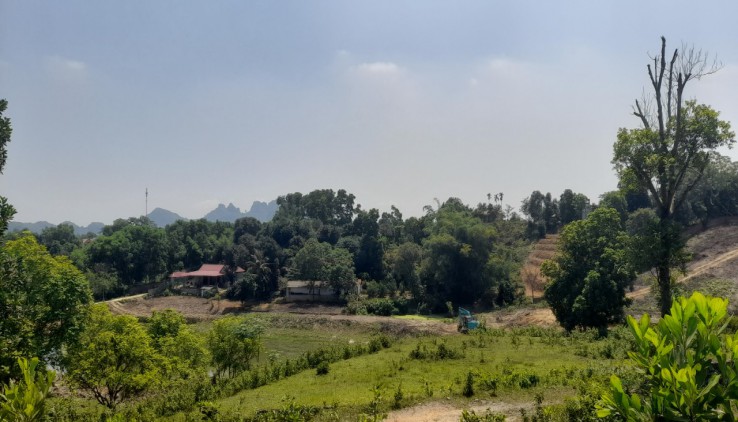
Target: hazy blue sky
[{"x": 397, "y": 102}]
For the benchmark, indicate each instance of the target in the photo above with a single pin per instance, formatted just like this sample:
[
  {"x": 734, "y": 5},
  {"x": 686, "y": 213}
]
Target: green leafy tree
[
  {"x": 368, "y": 258},
  {"x": 589, "y": 274},
  {"x": 456, "y": 257},
  {"x": 60, "y": 240},
  {"x": 114, "y": 359},
  {"x": 24, "y": 400},
  {"x": 617, "y": 201},
  {"x": 715, "y": 195},
  {"x": 233, "y": 343},
  {"x": 572, "y": 206},
  {"x": 196, "y": 242},
  {"x": 403, "y": 262},
  {"x": 103, "y": 282},
  {"x": 320, "y": 262},
  {"x": 137, "y": 252},
  {"x": 175, "y": 341},
  {"x": 668, "y": 154},
  {"x": 687, "y": 364},
  {"x": 6, "y": 210},
  {"x": 44, "y": 302},
  {"x": 542, "y": 212}
]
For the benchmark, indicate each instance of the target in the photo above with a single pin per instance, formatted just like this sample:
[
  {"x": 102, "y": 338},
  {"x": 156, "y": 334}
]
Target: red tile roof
[{"x": 206, "y": 270}]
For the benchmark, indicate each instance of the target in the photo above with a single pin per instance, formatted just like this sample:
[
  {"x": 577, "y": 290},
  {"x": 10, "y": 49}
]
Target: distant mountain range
[
  {"x": 262, "y": 211},
  {"x": 38, "y": 226}
]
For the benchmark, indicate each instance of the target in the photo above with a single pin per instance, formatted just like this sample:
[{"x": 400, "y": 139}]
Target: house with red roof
[{"x": 205, "y": 280}]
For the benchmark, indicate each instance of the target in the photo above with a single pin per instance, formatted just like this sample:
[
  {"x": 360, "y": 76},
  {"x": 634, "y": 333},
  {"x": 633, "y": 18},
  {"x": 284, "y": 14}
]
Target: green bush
[
  {"x": 488, "y": 416},
  {"x": 442, "y": 352},
  {"x": 468, "y": 390},
  {"x": 24, "y": 400},
  {"x": 687, "y": 365},
  {"x": 382, "y": 307},
  {"x": 322, "y": 369}
]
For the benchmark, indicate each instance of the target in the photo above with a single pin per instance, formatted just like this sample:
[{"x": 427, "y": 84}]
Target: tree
[
  {"x": 402, "y": 262},
  {"x": 572, "y": 206},
  {"x": 6, "y": 210},
  {"x": 667, "y": 155},
  {"x": 114, "y": 359},
  {"x": 456, "y": 256},
  {"x": 617, "y": 201},
  {"x": 173, "y": 339},
  {"x": 44, "y": 302},
  {"x": 589, "y": 275},
  {"x": 233, "y": 344},
  {"x": 542, "y": 212},
  {"x": 137, "y": 252},
  {"x": 319, "y": 262},
  {"x": 686, "y": 364},
  {"x": 715, "y": 195},
  {"x": 60, "y": 240}
]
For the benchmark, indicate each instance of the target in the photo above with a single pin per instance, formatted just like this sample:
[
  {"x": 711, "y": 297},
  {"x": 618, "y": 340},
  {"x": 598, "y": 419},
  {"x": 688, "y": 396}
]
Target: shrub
[
  {"x": 687, "y": 364},
  {"x": 442, "y": 352},
  {"x": 468, "y": 390},
  {"x": 24, "y": 400},
  {"x": 382, "y": 307},
  {"x": 399, "y": 396},
  {"x": 322, "y": 369},
  {"x": 488, "y": 416}
]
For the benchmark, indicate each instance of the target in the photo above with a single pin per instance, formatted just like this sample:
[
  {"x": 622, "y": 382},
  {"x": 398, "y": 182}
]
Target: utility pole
[{"x": 147, "y": 203}]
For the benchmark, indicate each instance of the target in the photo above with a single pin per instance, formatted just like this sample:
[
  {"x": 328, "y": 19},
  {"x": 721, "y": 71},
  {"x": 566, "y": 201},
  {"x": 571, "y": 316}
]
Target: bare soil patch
[
  {"x": 439, "y": 411},
  {"x": 200, "y": 309},
  {"x": 193, "y": 308}
]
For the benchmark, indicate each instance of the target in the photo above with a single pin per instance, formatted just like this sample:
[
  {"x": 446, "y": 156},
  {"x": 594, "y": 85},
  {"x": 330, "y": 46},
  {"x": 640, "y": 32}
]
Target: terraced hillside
[{"x": 531, "y": 272}]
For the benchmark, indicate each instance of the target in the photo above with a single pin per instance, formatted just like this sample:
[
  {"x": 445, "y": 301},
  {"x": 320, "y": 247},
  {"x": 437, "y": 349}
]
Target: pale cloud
[
  {"x": 507, "y": 68},
  {"x": 379, "y": 68},
  {"x": 65, "y": 69}
]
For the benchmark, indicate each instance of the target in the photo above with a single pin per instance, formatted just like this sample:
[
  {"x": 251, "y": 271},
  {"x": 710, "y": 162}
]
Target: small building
[{"x": 208, "y": 278}]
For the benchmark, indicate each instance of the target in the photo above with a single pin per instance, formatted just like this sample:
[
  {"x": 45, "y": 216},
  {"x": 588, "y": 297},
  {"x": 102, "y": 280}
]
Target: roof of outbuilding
[{"x": 206, "y": 270}]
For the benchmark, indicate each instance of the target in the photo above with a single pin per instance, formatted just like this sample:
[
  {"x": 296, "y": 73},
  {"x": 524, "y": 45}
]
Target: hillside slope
[{"x": 713, "y": 270}]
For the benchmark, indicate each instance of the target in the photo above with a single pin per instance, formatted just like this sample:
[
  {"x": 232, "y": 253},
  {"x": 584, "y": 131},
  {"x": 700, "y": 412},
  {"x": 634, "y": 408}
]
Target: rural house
[{"x": 205, "y": 280}]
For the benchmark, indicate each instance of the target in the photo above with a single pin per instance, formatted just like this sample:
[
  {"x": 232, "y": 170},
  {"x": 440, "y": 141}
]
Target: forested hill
[{"x": 262, "y": 211}]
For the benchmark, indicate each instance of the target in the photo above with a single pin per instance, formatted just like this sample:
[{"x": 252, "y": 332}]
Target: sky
[{"x": 398, "y": 102}]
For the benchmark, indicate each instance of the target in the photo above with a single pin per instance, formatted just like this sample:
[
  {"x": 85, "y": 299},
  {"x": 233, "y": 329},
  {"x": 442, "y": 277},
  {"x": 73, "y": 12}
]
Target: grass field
[{"x": 507, "y": 366}]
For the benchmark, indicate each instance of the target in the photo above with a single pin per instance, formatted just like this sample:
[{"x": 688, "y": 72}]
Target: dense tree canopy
[
  {"x": 43, "y": 302},
  {"x": 114, "y": 359},
  {"x": 60, "y": 240},
  {"x": 462, "y": 260},
  {"x": 233, "y": 344},
  {"x": 589, "y": 274},
  {"x": 321, "y": 262},
  {"x": 136, "y": 252}
]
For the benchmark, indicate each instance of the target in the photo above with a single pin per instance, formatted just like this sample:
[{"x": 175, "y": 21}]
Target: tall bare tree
[{"x": 667, "y": 155}]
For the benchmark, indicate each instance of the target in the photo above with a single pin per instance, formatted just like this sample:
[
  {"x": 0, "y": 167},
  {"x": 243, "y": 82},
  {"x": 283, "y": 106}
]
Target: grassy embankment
[{"x": 508, "y": 366}]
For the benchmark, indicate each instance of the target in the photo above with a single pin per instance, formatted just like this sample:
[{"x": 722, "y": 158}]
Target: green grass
[
  {"x": 289, "y": 336},
  {"x": 506, "y": 357}
]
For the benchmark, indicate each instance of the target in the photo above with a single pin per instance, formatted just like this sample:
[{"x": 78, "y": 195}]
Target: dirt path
[
  {"x": 710, "y": 264},
  {"x": 446, "y": 412}
]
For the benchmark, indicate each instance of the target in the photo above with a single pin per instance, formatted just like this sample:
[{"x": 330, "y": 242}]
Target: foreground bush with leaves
[
  {"x": 688, "y": 364},
  {"x": 23, "y": 400}
]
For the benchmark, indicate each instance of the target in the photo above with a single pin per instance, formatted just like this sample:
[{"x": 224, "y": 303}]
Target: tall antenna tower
[{"x": 147, "y": 203}]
